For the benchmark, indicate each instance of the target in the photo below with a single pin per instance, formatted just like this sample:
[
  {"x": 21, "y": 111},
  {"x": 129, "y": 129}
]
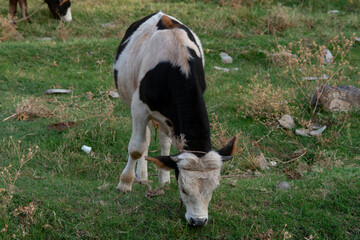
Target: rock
[
  {"x": 287, "y": 121},
  {"x": 283, "y": 186},
  {"x": 333, "y": 11},
  {"x": 273, "y": 163},
  {"x": 114, "y": 94},
  {"x": 327, "y": 56},
  {"x": 108, "y": 25},
  {"x": 257, "y": 174},
  {"x": 317, "y": 131},
  {"x": 323, "y": 77},
  {"x": 54, "y": 91},
  {"x": 314, "y": 130},
  {"x": 302, "y": 132},
  {"x": 226, "y": 69},
  {"x": 341, "y": 98},
  {"x": 44, "y": 39},
  {"x": 259, "y": 162},
  {"x": 225, "y": 58}
]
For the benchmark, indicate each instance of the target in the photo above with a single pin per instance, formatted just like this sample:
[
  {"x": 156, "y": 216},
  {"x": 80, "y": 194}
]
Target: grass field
[{"x": 51, "y": 189}]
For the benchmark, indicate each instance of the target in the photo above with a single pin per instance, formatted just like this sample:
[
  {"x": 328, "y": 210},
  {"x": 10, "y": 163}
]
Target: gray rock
[
  {"x": 287, "y": 121},
  {"x": 327, "y": 57},
  {"x": 225, "y": 58},
  {"x": 283, "y": 186},
  {"x": 317, "y": 132},
  {"x": 341, "y": 98},
  {"x": 55, "y": 91},
  {"x": 302, "y": 132},
  {"x": 114, "y": 94}
]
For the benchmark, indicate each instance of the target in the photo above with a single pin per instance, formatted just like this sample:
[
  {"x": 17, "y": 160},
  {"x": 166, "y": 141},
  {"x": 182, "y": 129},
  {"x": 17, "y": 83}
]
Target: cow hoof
[{"x": 123, "y": 188}]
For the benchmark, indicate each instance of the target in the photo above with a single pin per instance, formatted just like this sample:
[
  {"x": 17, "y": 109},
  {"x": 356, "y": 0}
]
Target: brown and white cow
[
  {"x": 159, "y": 74},
  {"x": 59, "y": 8}
]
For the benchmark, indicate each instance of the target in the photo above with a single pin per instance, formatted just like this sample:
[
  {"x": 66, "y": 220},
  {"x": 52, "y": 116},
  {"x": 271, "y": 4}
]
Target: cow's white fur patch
[
  {"x": 67, "y": 17},
  {"x": 198, "y": 178}
]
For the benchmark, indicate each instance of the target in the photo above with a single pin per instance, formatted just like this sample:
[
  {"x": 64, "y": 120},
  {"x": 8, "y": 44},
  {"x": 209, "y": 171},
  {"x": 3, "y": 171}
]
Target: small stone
[
  {"x": 333, "y": 11},
  {"x": 55, "y": 91},
  {"x": 327, "y": 56},
  {"x": 317, "y": 131},
  {"x": 226, "y": 69},
  {"x": 108, "y": 25},
  {"x": 273, "y": 163},
  {"x": 287, "y": 121},
  {"x": 257, "y": 174},
  {"x": 302, "y": 132},
  {"x": 323, "y": 77},
  {"x": 44, "y": 39},
  {"x": 283, "y": 186},
  {"x": 260, "y": 162},
  {"x": 114, "y": 94},
  {"x": 225, "y": 58}
]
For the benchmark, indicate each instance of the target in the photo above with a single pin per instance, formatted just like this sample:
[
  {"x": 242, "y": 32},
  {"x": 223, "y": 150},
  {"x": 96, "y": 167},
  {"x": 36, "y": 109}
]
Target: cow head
[
  {"x": 60, "y": 9},
  {"x": 198, "y": 175}
]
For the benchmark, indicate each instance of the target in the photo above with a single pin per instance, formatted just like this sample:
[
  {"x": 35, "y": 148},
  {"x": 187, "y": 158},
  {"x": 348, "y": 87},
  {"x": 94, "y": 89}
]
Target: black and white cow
[
  {"x": 59, "y": 8},
  {"x": 159, "y": 74}
]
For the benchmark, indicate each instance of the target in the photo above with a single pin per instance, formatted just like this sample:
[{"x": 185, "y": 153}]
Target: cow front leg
[
  {"x": 138, "y": 146},
  {"x": 23, "y": 6},
  {"x": 12, "y": 8},
  {"x": 165, "y": 144}
]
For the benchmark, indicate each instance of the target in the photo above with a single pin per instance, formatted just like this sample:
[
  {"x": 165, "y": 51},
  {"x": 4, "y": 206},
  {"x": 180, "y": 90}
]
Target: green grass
[{"x": 62, "y": 182}]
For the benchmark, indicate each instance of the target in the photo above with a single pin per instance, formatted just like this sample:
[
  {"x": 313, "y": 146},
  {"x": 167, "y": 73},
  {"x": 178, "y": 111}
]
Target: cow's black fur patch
[
  {"x": 57, "y": 8},
  {"x": 179, "y": 98},
  {"x": 116, "y": 78}
]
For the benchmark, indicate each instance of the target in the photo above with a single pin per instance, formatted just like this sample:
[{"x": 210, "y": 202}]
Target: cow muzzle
[{"x": 198, "y": 222}]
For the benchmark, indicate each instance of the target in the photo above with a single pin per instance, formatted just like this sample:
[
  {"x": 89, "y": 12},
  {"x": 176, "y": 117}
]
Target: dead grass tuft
[
  {"x": 8, "y": 30},
  {"x": 265, "y": 103},
  {"x": 9, "y": 175},
  {"x": 278, "y": 19},
  {"x": 33, "y": 107},
  {"x": 63, "y": 31}
]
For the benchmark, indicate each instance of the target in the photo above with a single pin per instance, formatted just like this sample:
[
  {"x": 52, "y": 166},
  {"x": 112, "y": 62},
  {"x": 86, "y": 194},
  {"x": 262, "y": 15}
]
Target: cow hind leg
[
  {"x": 141, "y": 169},
  {"x": 165, "y": 144}
]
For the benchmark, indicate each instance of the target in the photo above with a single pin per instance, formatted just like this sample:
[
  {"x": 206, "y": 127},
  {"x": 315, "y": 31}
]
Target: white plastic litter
[{"x": 86, "y": 149}]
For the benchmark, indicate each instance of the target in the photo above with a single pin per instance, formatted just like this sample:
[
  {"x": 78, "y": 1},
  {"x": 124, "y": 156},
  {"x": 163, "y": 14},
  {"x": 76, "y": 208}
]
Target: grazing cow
[
  {"x": 59, "y": 8},
  {"x": 159, "y": 74}
]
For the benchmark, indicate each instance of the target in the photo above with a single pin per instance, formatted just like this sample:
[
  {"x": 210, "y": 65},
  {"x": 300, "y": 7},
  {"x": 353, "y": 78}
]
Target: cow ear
[
  {"x": 163, "y": 162},
  {"x": 229, "y": 149}
]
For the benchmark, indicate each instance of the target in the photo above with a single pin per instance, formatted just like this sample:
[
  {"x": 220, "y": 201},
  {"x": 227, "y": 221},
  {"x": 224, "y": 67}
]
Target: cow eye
[{"x": 184, "y": 192}]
